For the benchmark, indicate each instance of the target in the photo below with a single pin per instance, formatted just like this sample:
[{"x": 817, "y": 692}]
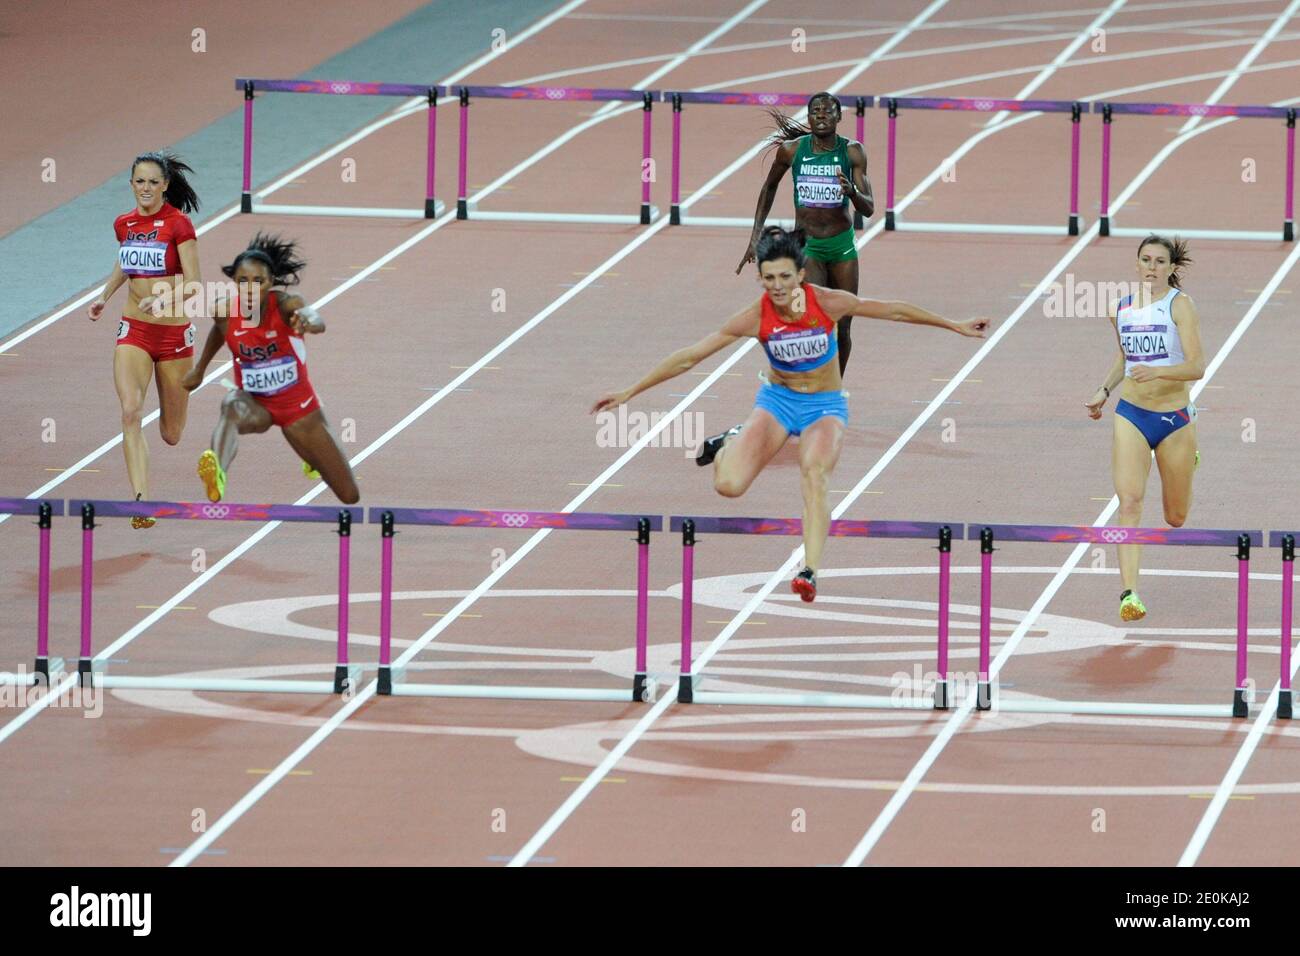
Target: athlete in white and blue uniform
[
  {"x": 796, "y": 323},
  {"x": 1158, "y": 333}
]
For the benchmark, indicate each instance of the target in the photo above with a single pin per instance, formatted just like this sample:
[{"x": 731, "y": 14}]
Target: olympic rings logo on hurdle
[
  {"x": 984, "y": 105},
  {"x": 1198, "y": 110},
  {"x": 216, "y": 511},
  {"x": 554, "y": 93},
  {"x": 1113, "y": 536},
  {"x": 340, "y": 87},
  {"x": 768, "y": 99},
  {"x": 514, "y": 520}
]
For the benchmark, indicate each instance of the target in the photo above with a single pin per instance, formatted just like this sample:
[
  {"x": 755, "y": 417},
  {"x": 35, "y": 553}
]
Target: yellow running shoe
[
  {"x": 214, "y": 479},
  {"x": 1131, "y": 607},
  {"x": 139, "y": 521},
  {"x": 310, "y": 472}
]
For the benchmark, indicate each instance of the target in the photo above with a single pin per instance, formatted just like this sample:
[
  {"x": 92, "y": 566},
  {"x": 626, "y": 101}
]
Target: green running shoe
[{"x": 1131, "y": 607}]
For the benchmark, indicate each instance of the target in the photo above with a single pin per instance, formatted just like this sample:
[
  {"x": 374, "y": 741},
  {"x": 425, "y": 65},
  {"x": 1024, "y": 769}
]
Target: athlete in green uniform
[{"x": 829, "y": 173}]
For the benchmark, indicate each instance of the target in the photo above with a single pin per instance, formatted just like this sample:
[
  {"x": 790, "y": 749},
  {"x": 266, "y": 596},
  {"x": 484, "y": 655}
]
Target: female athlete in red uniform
[
  {"x": 795, "y": 321},
  {"x": 264, "y": 331},
  {"x": 157, "y": 248}
]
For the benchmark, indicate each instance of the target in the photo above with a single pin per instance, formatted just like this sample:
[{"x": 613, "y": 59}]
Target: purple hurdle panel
[
  {"x": 725, "y": 98},
  {"x": 1286, "y": 541},
  {"x": 982, "y": 105},
  {"x": 1077, "y": 534},
  {"x": 44, "y": 512},
  {"x": 251, "y": 86},
  {"x": 690, "y": 527},
  {"x": 553, "y": 94},
  {"x": 520, "y": 520},
  {"x": 1206, "y": 110},
  {"x": 208, "y": 511}
]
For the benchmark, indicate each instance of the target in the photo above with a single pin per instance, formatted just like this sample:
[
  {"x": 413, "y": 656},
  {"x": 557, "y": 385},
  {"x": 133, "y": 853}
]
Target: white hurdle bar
[
  {"x": 982, "y": 228},
  {"x": 617, "y": 219},
  {"x": 359, "y": 212},
  {"x": 1232, "y": 235}
]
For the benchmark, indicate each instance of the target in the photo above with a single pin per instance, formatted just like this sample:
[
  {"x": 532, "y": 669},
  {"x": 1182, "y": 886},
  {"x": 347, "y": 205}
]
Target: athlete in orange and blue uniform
[
  {"x": 264, "y": 328},
  {"x": 795, "y": 321},
  {"x": 157, "y": 248}
]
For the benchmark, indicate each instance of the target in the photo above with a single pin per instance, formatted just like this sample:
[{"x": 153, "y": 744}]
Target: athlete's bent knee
[{"x": 728, "y": 486}]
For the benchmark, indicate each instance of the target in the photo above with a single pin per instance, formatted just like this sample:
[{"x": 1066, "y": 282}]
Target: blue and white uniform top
[{"x": 1149, "y": 335}]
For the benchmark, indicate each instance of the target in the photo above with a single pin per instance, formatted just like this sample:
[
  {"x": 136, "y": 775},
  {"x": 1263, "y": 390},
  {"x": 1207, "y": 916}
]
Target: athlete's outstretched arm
[
  {"x": 780, "y": 163},
  {"x": 839, "y": 304},
  {"x": 741, "y": 325},
  {"x": 301, "y": 317}
]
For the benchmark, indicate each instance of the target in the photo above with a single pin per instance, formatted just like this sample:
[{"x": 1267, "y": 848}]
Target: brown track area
[{"x": 418, "y": 781}]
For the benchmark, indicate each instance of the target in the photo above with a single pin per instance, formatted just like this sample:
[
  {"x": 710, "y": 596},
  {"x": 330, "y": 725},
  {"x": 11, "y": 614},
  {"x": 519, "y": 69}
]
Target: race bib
[
  {"x": 792, "y": 348},
  {"x": 270, "y": 377},
  {"x": 1144, "y": 343},
  {"x": 123, "y": 329},
  {"x": 143, "y": 258},
  {"x": 819, "y": 191}
]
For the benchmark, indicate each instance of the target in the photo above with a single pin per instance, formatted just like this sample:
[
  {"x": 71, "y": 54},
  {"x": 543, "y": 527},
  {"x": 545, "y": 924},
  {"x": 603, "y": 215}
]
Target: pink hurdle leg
[
  {"x": 642, "y": 602},
  {"x": 1076, "y": 113},
  {"x": 43, "y": 597},
  {"x": 1105, "y": 171},
  {"x": 860, "y": 108},
  {"x": 675, "y": 211},
  {"x": 889, "y": 164},
  {"x": 386, "y": 605},
  {"x": 686, "y": 685},
  {"x": 983, "y": 697},
  {"x": 430, "y": 203},
  {"x": 246, "y": 198},
  {"x": 1239, "y": 703},
  {"x": 647, "y": 162},
  {"x": 1288, "y": 224},
  {"x": 87, "y": 587},
  {"x": 945, "y": 571},
  {"x": 462, "y": 177},
  {"x": 345, "y": 542},
  {"x": 1288, "y": 587}
]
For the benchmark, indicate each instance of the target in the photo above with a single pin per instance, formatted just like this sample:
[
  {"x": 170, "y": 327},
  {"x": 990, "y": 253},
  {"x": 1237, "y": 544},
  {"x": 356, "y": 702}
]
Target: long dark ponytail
[
  {"x": 279, "y": 255},
  {"x": 777, "y": 243},
  {"x": 1177, "y": 249},
  {"x": 784, "y": 128},
  {"x": 179, "y": 191}
]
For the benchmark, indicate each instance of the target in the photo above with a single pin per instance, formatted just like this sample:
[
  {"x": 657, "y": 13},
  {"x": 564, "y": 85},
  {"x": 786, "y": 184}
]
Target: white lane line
[
  {"x": 1212, "y": 813},
  {"x": 1255, "y": 51},
  {"x": 914, "y": 777},
  {"x": 624, "y": 745},
  {"x": 275, "y": 776},
  {"x": 394, "y": 115},
  {"x": 575, "y": 799},
  {"x": 1088, "y": 32},
  {"x": 30, "y": 713},
  {"x": 917, "y": 773},
  {"x": 466, "y": 602}
]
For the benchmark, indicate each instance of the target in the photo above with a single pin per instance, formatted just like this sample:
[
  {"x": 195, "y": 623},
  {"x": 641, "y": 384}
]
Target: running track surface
[{"x": 417, "y": 781}]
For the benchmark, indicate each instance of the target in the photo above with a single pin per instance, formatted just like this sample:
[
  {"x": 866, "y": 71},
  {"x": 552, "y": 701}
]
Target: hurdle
[
  {"x": 988, "y": 534},
  {"x": 553, "y": 94},
  {"x": 251, "y": 87},
  {"x": 1108, "y": 110},
  {"x": 44, "y": 511},
  {"x": 96, "y": 667},
  {"x": 894, "y": 104},
  {"x": 1286, "y": 541},
  {"x": 688, "y": 691},
  {"x": 719, "y": 98},
  {"x": 391, "y": 680}
]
